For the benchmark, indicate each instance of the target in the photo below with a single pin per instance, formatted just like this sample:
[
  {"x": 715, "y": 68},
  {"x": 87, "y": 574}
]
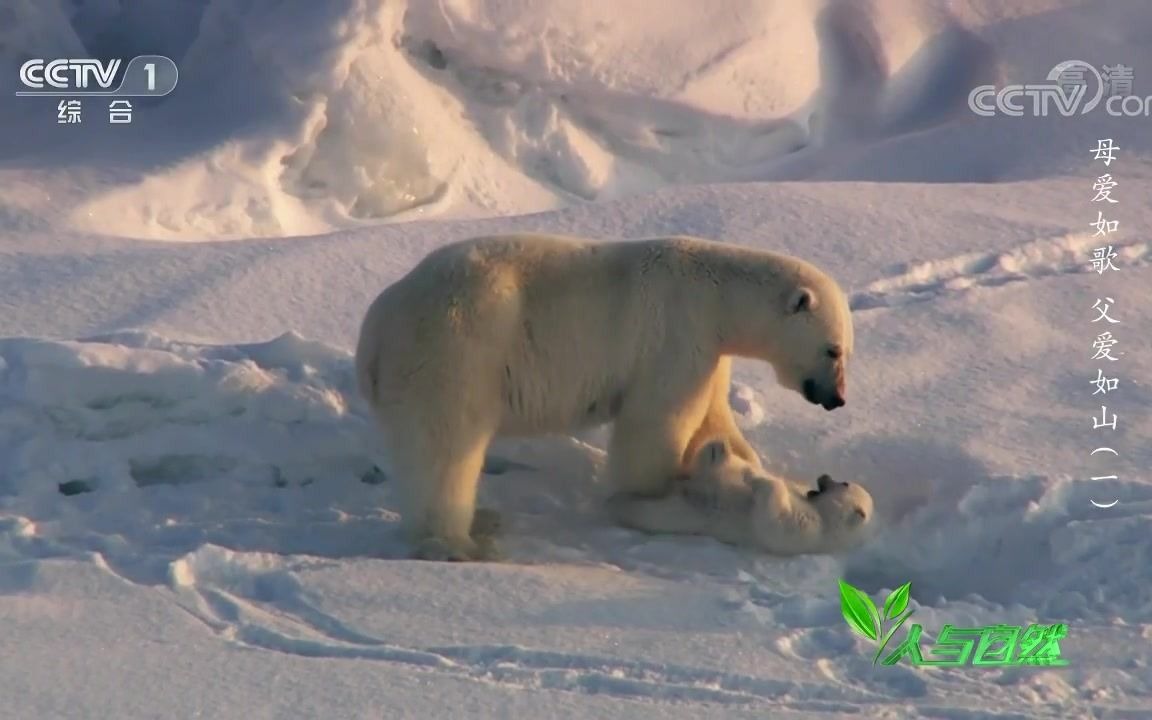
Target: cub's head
[
  {"x": 845, "y": 508},
  {"x": 815, "y": 340}
]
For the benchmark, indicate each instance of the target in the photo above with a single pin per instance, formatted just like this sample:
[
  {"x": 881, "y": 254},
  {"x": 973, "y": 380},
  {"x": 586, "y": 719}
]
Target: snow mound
[
  {"x": 299, "y": 117},
  {"x": 134, "y": 410}
]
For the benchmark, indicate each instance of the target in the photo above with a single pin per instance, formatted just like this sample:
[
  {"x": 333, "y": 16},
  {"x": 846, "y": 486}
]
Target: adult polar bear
[{"x": 534, "y": 334}]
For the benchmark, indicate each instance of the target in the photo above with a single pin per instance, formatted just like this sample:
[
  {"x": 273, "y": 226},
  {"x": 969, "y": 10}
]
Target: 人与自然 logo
[{"x": 997, "y": 645}]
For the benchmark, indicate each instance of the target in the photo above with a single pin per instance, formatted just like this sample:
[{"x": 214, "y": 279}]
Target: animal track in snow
[
  {"x": 256, "y": 601},
  {"x": 1045, "y": 257}
]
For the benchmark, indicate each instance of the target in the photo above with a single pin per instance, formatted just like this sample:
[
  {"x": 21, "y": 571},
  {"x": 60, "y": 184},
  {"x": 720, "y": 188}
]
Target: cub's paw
[
  {"x": 824, "y": 483},
  {"x": 438, "y": 549},
  {"x": 486, "y": 523},
  {"x": 487, "y": 549}
]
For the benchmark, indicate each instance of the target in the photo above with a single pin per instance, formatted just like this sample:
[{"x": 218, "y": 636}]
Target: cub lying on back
[{"x": 726, "y": 498}]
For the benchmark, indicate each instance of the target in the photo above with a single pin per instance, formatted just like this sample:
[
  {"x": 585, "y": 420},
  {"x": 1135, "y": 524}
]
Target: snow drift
[{"x": 299, "y": 117}]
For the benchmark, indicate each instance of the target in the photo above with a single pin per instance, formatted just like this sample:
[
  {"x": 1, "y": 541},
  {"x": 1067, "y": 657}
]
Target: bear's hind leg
[{"x": 438, "y": 496}]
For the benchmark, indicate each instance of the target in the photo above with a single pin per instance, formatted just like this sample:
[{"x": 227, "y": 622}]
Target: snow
[{"x": 193, "y": 517}]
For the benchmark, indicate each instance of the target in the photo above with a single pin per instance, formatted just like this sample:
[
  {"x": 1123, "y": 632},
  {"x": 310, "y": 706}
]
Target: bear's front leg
[
  {"x": 657, "y": 419},
  {"x": 643, "y": 459}
]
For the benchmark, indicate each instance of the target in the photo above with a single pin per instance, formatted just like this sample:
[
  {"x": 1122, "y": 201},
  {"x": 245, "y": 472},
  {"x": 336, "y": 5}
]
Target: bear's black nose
[{"x": 834, "y": 402}]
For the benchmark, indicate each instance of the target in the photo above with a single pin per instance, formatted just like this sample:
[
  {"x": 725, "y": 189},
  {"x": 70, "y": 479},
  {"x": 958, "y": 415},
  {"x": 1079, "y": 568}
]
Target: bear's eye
[{"x": 835, "y": 352}]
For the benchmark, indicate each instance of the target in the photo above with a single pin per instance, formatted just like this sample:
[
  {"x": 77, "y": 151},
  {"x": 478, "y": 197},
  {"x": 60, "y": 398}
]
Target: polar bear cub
[{"x": 727, "y": 498}]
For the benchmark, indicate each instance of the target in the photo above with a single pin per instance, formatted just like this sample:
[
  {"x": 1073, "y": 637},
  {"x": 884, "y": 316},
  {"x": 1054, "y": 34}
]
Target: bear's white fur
[
  {"x": 536, "y": 334},
  {"x": 729, "y": 499}
]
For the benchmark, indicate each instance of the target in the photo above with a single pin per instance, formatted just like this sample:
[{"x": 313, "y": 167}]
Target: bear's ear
[
  {"x": 858, "y": 516},
  {"x": 802, "y": 299},
  {"x": 714, "y": 453}
]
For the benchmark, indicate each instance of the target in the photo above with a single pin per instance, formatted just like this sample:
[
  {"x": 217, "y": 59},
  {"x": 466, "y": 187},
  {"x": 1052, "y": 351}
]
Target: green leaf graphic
[
  {"x": 888, "y": 636},
  {"x": 859, "y": 611},
  {"x": 897, "y": 602}
]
